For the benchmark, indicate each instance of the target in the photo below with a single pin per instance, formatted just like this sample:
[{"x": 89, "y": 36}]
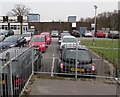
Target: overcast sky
[{"x": 61, "y": 9}]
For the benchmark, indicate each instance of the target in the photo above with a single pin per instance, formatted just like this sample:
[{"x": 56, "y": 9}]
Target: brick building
[{"x": 60, "y": 26}]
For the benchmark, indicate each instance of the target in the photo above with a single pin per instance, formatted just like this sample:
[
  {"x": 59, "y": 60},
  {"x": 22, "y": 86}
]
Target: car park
[
  {"x": 69, "y": 57},
  {"x": 39, "y": 41},
  {"x": 13, "y": 41},
  {"x": 69, "y": 40},
  {"x": 100, "y": 34},
  {"x": 20, "y": 71},
  {"x": 87, "y": 33},
  {"x": 54, "y": 33},
  {"x": 48, "y": 37},
  {"x": 113, "y": 34}
]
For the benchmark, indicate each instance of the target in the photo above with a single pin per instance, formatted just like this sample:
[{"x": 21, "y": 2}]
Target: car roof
[
  {"x": 45, "y": 32},
  {"x": 73, "y": 46},
  {"x": 69, "y": 37}
]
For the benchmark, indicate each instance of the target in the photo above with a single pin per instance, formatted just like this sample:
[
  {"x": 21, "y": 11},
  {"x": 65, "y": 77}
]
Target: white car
[
  {"x": 27, "y": 36},
  {"x": 54, "y": 33},
  {"x": 69, "y": 40},
  {"x": 88, "y": 34}
]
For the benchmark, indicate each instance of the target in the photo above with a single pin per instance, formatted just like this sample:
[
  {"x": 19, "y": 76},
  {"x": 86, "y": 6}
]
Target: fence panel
[
  {"x": 53, "y": 62},
  {"x": 16, "y": 69}
]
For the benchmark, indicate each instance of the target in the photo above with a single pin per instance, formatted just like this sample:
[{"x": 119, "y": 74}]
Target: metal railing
[
  {"x": 16, "y": 69},
  {"x": 104, "y": 65}
]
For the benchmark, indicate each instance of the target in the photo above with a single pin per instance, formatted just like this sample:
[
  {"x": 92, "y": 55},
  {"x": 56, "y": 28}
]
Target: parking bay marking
[{"x": 52, "y": 68}]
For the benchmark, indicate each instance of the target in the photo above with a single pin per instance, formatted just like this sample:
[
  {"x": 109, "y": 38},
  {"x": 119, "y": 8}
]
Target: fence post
[
  {"x": 10, "y": 84},
  {"x": 76, "y": 61},
  {"x": 32, "y": 60}
]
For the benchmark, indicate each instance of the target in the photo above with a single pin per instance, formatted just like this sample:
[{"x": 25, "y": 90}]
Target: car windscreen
[
  {"x": 65, "y": 34},
  {"x": 11, "y": 39},
  {"x": 38, "y": 39},
  {"x": 83, "y": 56},
  {"x": 54, "y": 32},
  {"x": 114, "y": 32},
  {"x": 69, "y": 40}
]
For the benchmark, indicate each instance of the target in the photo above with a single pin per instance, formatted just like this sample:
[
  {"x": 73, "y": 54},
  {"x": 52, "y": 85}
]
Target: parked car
[
  {"x": 48, "y": 37},
  {"x": 39, "y": 41},
  {"x": 20, "y": 71},
  {"x": 62, "y": 35},
  {"x": 27, "y": 36},
  {"x": 76, "y": 33},
  {"x": 32, "y": 31},
  {"x": 67, "y": 62},
  {"x": 13, "y": 41},
  {"x": 8, "y": 33},
  {"x": 87, "y": 34},
  {"x": 113, "y": 34},
  {"x": 69, "y": 40},
  {"x": 54, "y": 33},
  {"x": 2, "y": 36},
  {"x": 100, "y": 34},
  {"x": 65, "y": 31}
]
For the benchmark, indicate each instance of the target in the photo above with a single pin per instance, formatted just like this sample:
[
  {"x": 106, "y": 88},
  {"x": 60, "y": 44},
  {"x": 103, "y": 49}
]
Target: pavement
[{"x": 70, "y": 87}]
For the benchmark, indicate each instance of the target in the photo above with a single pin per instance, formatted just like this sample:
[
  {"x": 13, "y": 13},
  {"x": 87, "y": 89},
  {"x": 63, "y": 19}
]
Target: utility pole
[
  {"x": 20, "y": 20},
  {"x": 95, "y": 27}
]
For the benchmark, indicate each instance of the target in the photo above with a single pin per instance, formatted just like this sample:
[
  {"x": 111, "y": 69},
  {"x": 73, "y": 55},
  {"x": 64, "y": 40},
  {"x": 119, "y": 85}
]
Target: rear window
[
  {"x": 38, "y": 39},
  {"x": 83, "y": 56},
  {"x": 46, "y": 34},
  {"x": 69, "y": 40}
]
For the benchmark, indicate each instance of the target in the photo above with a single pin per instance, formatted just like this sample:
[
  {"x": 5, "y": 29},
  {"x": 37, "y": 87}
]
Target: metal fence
[
  {"x": 16, "y": 68},
  {"x": 104, "y": 63}
]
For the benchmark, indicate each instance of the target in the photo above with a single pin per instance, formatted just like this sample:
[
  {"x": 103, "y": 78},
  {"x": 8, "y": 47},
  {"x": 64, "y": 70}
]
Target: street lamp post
[
  {"x": 95, "y": 16},
  {"x": 95, "y": 22}
]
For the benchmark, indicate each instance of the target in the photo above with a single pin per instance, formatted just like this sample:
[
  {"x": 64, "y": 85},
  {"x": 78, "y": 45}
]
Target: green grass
[{"x": 104, "y": 48}]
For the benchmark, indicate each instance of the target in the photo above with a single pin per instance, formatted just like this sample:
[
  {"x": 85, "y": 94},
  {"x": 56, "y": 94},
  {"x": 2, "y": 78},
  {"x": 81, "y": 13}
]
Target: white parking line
[{"x": 52, "y": 68}]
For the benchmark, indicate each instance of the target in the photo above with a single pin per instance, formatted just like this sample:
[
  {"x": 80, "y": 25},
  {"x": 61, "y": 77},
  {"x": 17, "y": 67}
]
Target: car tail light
[
  {"x": 42, "y": 45},
  {"x": 17, "y": 81},
  {"x": 61, "y": 66},
  {"x": 93, "y": 68}
]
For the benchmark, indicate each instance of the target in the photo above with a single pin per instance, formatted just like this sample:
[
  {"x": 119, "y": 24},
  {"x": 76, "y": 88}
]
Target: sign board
[
  {"x": 33, "y": 18},
  {"x": 72, "y": 19},
  {"x": 73, "y": 24}
]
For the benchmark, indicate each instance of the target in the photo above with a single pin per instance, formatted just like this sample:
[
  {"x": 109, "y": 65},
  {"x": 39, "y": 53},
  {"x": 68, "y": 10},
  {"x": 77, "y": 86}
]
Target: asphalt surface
[
  {"x": 68, "y": 87},
  {"x": 51, "y": 58}
]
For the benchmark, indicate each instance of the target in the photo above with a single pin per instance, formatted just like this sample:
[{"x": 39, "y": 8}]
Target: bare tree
[{"x": 19, "y": 10}]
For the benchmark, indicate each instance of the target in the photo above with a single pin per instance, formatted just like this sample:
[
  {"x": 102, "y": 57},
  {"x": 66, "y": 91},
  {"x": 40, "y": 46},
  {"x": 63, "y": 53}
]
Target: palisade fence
[{"x": 16, "y": 68}]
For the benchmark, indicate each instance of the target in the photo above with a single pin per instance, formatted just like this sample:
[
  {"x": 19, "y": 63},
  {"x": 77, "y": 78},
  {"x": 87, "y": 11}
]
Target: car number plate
[
  {"x": 78, "y": 69},
  {"x": 2, "y": 82}
]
